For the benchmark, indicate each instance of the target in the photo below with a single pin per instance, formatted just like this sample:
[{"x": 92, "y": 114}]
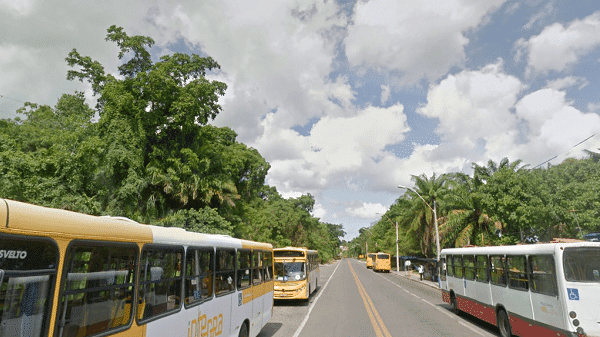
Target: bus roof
[
  {"x": 539, "y": 248},
  {"x": 23, "y": 218}
]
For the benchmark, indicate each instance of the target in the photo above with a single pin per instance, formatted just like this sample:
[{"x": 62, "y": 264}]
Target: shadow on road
[{"x": 270, "y": 329}]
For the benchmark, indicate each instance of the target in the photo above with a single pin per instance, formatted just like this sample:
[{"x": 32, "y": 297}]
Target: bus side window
[
  {"x": 517, "y": 272},
  {"x": 97, "y": 291},
  {"x": 268, "y": 265},
  {"x": 498, "y": 270},
  {"x": 256, "y": 267},
  {"x": 225, "y": 271},
  {"x": 198, "y": 275},
  {"x": 160, "y": 281},
  {"x": 26, "y": 285},
  {"x": 450, "y": 265},
  {"x": 543, "y": 275},
  {"x": 458, "y": 266},
  {"x": 244, "y": 268},
  {"x": 469, "y": 267},
  {"x": 443, "y": 268},
  {"x": 481, "y": 268}
]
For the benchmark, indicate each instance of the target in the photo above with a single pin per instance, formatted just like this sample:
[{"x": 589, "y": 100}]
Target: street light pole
[
  {"x": 397, "y": 258},
  {"x": 437, "y": 234}
]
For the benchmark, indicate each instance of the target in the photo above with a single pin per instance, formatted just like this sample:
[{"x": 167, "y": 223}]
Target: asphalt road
[{"x": 355, "y": 301}]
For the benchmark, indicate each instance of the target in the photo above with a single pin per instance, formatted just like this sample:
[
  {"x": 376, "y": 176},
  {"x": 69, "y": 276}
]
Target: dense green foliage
[
  {"x": 500, "y": 204},
  {"x": 148, "y": 153}
]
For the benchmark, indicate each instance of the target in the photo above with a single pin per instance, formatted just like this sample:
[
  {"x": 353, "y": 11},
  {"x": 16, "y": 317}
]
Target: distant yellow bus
[
  {"x": 296, "y": 272},
  {"x": 66, "y": 274},
  {"x": 370, "y": 258},
  {"x": 382, "y": 262}
]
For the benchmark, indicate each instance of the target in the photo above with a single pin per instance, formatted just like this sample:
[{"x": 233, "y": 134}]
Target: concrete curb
[{"x": 415, "y": 279}]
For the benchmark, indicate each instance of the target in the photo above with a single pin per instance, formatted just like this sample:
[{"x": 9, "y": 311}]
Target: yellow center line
[{"x": 376, "y": 320}]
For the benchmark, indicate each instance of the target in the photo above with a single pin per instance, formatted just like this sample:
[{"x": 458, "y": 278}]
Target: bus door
[
  {"x": 27, "y": 275},
  {"x": 547, "y": 306}
]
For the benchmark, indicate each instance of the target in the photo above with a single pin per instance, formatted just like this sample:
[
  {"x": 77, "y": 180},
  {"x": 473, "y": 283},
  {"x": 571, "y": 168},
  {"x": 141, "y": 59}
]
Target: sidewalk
[{"x": 413, "y": 276}]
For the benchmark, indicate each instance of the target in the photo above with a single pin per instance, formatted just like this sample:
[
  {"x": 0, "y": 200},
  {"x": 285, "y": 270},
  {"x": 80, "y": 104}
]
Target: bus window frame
[
  {"x": 267, "y": 261},
  {"x": 67, "y": 264},
  {"x": 486, "y": 268},
  {"x": 239, "y": 270},
  {"x": 450, "y": 265},
  {"x": 504, "y": 276},
  {"x": 219, "y": 272},
  {"x": 256, "y": 276},
  {"x": 533, "y": 280},
  {"x": 210, "y": 271},
  {"x": 53, "y": 273},
  {"x": 142, "y": 321},
  {"x": 514, "y": 277},
  {"x": 469, "y": 269},
  {"x": 460, "y": 266}
]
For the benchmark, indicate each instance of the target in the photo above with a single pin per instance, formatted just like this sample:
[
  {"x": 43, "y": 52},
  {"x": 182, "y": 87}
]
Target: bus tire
[
  {"x": 503, "y": 323},
  {"x": 244, "y": 330}
]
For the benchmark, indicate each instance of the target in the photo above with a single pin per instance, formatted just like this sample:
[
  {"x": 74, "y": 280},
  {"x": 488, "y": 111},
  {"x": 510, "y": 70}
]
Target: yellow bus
[
  {"x": 296, "y": 272},
  {"x": 370, "y": 258},
  {"x": 69, "y": 274},
  {"x": 382, "y": 262}
]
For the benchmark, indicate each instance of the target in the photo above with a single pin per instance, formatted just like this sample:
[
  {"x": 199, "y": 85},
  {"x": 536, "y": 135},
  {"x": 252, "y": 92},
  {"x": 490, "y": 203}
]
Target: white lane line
[
  {"x": 321, "y": 291},
  {"x": 437, "y": 307}
]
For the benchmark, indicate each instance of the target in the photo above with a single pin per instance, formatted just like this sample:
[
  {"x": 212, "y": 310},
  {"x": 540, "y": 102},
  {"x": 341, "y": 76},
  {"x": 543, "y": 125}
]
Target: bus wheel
[
  {"x": 244, "y": 330},
  {"x": 503, "y": 324},
  {"x": 454, "y": 304}
]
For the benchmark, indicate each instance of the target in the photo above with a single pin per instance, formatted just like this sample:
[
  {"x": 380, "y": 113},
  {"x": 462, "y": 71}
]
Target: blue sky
[{"x": 348, "y": 99}]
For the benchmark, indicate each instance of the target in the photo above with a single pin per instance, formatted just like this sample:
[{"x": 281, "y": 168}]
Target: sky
[{"x": 348, "y": 99}]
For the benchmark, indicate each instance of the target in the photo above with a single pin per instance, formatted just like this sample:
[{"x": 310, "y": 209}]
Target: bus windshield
[
  {"x": 383, "y": 256},
  {"x": 292, "y": 271},
  {"x": 582, "y": 264}
]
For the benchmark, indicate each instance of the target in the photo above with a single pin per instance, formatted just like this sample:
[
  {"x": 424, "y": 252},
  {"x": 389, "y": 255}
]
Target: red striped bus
[{"x": 550, "y": 289}]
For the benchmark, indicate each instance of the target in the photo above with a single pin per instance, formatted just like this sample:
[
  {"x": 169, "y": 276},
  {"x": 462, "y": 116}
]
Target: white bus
[
  {"x": 550, "y": 289},
  {"x": 69, "y": 274}
]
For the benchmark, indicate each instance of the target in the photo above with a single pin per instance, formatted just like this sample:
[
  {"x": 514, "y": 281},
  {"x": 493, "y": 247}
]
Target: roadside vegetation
[
  {"x": 147, "y": 152},
  {"x": 501, "y": 203}
]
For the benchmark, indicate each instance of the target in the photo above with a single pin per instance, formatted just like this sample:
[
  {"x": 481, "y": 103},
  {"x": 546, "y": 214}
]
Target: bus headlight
[
  {"x": 576, "y": 322},
  {"x": 572, "y": 314},
  {"x": 580, "y": 331}
]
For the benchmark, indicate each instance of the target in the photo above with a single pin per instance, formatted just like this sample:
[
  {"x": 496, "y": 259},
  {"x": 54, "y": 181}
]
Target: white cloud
[
  {"x": 319, "y": 211},
  {"x": 385, "y": 94},
  {"x": 554, "y": 126},
  {"x": 539, "y": 16},
  {"x": 336, "y": 146},
  {"x": 367, "y": 210},
  {"x": 473, "y": 107},
  {"x": 567, "y": 82},
  {"x": 558, "y": 47},
  {"x": 421, "y": 39}
]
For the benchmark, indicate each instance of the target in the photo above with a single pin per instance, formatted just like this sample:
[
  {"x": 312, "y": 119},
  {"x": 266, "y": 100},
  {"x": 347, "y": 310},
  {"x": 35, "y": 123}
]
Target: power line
[{"x": 564, "y": 154}]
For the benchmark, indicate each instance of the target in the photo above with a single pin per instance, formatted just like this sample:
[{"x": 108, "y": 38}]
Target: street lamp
[
  {"x": 437, "y": 235},
  {"x": 397, "y": 258}
]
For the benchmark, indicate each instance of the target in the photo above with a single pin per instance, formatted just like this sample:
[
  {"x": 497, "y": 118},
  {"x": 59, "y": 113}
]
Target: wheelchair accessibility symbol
[{"x": 573, "y": 294}]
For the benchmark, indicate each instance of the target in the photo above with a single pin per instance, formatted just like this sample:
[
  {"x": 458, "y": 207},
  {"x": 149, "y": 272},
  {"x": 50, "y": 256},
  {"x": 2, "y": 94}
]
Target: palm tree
[
  {"x": 419, "y": 217},
  {"x": 482, "y": 174},
  {"x": 466, "y": 222}
]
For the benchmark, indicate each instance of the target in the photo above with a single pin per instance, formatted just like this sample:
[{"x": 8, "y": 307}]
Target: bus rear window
[{"x": 582, "y": 264}]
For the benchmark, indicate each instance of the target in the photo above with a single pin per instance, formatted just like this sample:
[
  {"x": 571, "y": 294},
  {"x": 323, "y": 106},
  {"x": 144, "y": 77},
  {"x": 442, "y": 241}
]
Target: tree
[
  {"x": 466, "y": 223},
  {"x": 419, "y": 215}
]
